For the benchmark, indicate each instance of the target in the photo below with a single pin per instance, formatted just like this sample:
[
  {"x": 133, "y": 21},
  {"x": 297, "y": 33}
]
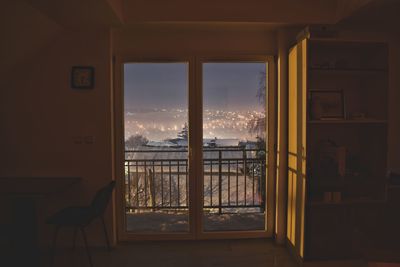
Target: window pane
[
  {"x": 234, "y": 146},
  {"x": 156, "y": 131}
]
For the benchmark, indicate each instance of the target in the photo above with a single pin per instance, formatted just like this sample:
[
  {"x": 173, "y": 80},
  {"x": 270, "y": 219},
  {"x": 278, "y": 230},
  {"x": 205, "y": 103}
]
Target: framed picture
[
  {"x": 326, "y": 104},
  {"x": 82, "y": 77}
]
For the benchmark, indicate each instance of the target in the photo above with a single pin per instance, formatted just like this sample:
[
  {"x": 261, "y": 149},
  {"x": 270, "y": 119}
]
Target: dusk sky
[{"x": 164, "y": 85}]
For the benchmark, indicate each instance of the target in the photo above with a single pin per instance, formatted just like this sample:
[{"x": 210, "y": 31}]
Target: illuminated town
[{"x": 161, "y": 124}]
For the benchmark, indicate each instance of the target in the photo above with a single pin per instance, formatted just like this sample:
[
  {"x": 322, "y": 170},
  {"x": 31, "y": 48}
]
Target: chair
[{"x": 78, "y": 217}]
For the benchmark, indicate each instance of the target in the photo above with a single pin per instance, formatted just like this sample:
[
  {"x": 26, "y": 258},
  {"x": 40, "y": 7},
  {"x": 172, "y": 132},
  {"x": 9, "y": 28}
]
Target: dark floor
[{"x": 213, "y": 253}]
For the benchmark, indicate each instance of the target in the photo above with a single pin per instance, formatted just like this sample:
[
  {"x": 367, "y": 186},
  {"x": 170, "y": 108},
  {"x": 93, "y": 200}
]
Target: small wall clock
[{"x": 82, "y": 77}]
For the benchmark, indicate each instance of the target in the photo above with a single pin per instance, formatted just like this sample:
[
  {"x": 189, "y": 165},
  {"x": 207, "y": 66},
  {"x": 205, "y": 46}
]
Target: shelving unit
[{"x": 343, "y": 153}]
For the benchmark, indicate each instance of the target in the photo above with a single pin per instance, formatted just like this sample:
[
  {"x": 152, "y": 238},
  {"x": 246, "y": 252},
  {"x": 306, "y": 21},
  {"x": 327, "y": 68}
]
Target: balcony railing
[{"x": 234, "y": 179}]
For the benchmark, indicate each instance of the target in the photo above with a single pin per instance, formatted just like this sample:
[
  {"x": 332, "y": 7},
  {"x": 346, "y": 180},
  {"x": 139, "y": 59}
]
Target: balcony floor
[{"x": 162, "y": 221}]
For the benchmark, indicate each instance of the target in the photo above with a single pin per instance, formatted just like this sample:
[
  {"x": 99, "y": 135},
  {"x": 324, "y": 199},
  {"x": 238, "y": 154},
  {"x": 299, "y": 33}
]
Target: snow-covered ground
[{"x": 178, "y": 222}]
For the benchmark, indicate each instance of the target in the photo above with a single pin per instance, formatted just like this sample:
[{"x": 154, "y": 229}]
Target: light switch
[{"x": 88, "y": 139}]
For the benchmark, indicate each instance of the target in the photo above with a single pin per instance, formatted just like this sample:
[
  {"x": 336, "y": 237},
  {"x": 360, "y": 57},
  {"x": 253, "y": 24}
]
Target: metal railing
[{"x": 234, "y": 179}]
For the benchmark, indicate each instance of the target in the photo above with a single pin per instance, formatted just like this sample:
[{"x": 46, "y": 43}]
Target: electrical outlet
[{"x": 77, "y": 140}]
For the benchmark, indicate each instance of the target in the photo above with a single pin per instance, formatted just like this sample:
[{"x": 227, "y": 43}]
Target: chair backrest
[{"x": 101, "y": 199}]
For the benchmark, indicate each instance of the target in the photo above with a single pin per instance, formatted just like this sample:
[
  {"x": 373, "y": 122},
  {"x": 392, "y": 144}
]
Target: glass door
[
  {"x": 156, "y": 147},
  {"x": 196, "y": 144},
  {"x": 234, "y": 145}
]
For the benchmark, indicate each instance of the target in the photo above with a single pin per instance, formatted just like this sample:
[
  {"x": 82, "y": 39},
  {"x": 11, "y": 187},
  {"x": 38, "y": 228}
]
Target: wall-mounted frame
[
  {"x": 327, "y": 104},
  {"x": 82, "y": 77}
]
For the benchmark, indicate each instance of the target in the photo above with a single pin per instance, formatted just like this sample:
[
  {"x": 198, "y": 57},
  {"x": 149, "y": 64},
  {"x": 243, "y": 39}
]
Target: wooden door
[{"x": 297, "y": 146}]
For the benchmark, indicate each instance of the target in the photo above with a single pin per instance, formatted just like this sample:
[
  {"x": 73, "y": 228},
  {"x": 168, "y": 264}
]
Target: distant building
[
  {"x": 232, "y": 142},
  {"x": 161, "y": 144}
]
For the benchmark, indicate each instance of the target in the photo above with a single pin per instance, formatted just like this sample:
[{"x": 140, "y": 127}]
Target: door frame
[{"x": 195, "y": 152}]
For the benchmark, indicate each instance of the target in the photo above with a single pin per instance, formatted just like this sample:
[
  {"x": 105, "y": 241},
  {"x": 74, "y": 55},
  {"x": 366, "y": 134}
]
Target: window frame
[{"x": 195, "y": 117}]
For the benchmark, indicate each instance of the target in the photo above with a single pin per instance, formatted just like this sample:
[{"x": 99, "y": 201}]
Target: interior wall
[
  {"x": 185, "y": 40},
  {"x": 394, "y": 107},
  {"x": 271, "y": 11},
  {"x": 31, "y": 30},
  {"x": 49, "y": 129}
]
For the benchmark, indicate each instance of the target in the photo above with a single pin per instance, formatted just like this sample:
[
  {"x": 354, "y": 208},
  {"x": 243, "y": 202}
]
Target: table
[{"x": 23, "y": 192}]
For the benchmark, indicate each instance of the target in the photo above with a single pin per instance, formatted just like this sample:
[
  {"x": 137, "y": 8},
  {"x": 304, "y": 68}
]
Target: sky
[
  {"x": 231, "y": 86},
  {"x": 165, "y": 85},
  {"x": 156, "y": 98}
]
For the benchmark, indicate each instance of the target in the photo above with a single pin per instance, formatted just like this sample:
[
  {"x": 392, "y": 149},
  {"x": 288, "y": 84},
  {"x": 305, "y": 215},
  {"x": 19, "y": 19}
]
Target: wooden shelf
[
  {"x": 364, "y": 121},
  {"x": 346, "y": 202},
  {"x": 344, "y": 182},
  {"x": 347, "y": 70},
  {"x": 344, "y": 42}
]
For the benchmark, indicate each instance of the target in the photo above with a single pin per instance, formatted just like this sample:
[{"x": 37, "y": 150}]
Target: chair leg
[
  {"x": 86, "y": 246},
  {"x": 53, "y": 250},
  {"x": 74, "y": 238},
  {"x": 105, "y": 233}
]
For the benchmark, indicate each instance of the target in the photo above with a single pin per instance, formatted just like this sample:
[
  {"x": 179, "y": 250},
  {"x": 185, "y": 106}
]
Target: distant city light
[{"x": 167, "y": 123}]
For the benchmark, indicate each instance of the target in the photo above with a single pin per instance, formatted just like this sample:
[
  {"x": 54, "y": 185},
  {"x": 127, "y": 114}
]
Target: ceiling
[
  {"x": 378, "y": 15},
  {"x": 123, "y": 13},
  {"x": 259, "y": 11},
  {"x": 80, "y": 13}
]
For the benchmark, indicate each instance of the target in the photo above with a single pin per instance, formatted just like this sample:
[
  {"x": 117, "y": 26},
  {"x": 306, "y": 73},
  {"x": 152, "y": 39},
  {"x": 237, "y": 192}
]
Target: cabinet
[{"x": 337, "y": 144}]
